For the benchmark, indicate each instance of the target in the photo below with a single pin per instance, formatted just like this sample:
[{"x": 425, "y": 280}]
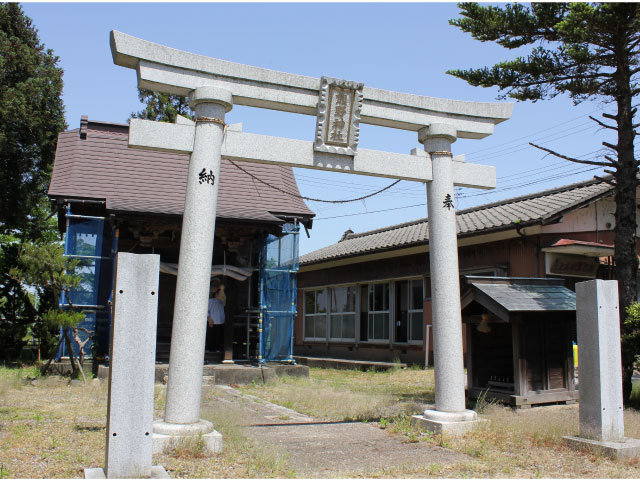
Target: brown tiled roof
[
  {"x": 538, "y": 208},
  {"x": 102, "y": 166}
]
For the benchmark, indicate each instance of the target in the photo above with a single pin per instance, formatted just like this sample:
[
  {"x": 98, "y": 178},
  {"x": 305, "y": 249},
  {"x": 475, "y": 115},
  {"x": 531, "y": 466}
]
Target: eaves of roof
[
  {"x": 94, "y": 162},
  {"x": 495, "y": 217}
]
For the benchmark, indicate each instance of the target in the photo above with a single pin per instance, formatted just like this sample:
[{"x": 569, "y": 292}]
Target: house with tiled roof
[
  {"x": 368, "y": 296},
  {"x": 112, "y": 198}
]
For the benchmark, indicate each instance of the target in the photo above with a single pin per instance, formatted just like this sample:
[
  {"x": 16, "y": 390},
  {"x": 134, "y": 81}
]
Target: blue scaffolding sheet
[
  {"x": 278, "y": 295},
  {"x": 93, "y": 242}
]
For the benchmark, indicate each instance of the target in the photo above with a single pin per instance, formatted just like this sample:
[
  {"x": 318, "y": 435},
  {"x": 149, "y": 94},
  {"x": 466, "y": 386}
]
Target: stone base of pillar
[
  {"x": 168, "y": 435},
  {"x": 157, "y": 472},
  {"x": 627, "y": 449},
  {"x": 437, "y": 422}
]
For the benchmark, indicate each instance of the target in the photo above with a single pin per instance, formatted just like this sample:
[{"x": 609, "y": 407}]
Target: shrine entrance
[{"x": 214, "y": 87}]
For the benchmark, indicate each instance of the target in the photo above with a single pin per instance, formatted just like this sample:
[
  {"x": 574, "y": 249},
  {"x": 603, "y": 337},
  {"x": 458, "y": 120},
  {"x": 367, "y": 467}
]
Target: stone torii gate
[{"x": 213, "y": 87}]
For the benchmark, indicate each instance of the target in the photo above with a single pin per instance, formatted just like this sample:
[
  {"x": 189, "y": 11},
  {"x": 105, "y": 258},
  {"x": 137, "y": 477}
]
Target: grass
[
  {"x": 51, "y": 428},
  {"x": 509, "y": 444},
  {"x": 351, "y": 395}
]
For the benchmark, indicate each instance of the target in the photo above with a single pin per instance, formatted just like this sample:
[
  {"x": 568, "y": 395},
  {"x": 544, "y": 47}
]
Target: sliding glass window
[{"x": 343, "y": 313}]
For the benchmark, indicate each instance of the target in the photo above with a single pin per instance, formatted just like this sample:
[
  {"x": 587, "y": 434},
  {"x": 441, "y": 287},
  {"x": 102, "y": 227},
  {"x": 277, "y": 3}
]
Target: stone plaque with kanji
[{"x": 338, "y": 123}]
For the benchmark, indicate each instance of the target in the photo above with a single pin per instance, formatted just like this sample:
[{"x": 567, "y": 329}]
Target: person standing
[{"x": 215, "y": 317}]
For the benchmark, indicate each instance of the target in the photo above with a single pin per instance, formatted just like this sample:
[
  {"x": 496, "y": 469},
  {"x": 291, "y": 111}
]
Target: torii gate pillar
[
  {"x": 188, "y": 334},
  {"x": 449, "y": 414}
]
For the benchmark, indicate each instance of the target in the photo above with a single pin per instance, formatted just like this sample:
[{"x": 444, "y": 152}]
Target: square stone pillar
[
  {"x": 128, "y": 452},
  {"x": 601, "y": 406},
  {"x": 598, "y": 319}
]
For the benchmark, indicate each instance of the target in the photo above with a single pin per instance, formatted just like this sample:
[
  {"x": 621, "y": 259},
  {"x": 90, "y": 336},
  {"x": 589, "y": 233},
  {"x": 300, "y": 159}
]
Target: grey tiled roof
[
  {"x": 530, "y": 209},
  {"x": 519, "y": 298}
]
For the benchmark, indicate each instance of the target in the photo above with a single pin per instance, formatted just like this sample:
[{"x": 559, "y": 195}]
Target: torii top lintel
[{"x": 173, "y": 71}]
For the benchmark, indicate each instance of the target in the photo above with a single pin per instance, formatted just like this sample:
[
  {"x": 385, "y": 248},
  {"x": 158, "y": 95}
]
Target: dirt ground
[{"x": 317, "y": 449}]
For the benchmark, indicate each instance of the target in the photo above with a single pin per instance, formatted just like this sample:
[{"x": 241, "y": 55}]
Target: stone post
[
  {"x": 449, "y": 414},
  {"x": 598, "y": 319},
  {"x": 129, "y": 442},
  {"x": 601, "y": 408},
  {"x": 184, "y": 387}
]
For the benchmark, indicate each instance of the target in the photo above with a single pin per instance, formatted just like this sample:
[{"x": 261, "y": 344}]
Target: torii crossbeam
[{"x": 213, "y": 87}]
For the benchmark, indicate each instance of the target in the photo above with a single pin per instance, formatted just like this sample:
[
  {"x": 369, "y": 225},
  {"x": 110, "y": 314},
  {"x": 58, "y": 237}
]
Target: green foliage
[
  {"x": 64, "y": 319},
  {"x": 631, "y": 336},
  {"x": 31, "y": 116},
  {"x": 16, "y": 311},
  {"x": 161, "y": 107},
  {"x": 586, "y": 51},
  {"x": 575, "y": 50},
  {"x": 43, "y": 266}
]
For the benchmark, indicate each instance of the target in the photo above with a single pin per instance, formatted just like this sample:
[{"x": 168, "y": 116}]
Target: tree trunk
[
  {"x": 75, "y": 365},
  {"x": 45, "y": 368},
  {"x": 626, "y": 182}
]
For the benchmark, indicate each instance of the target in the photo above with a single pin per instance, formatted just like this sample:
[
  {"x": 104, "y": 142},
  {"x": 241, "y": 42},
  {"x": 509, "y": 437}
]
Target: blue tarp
[
  {"x": 92, "y": 241},
  {"x": 278, "y": 295}
]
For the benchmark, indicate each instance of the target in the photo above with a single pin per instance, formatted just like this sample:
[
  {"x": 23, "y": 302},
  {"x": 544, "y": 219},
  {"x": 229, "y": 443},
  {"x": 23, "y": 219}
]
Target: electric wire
[
  {"x": 254, "y": 177},
  {"x": 423, "y": 204}
]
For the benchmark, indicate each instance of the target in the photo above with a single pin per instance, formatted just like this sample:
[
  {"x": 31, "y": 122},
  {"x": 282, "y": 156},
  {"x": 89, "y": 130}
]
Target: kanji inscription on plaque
[{"x": 338, "y": 124}]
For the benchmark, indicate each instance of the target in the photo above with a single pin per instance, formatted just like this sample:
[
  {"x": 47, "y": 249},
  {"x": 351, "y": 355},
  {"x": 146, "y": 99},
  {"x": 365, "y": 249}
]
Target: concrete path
[{"x": 316, "y": 449}]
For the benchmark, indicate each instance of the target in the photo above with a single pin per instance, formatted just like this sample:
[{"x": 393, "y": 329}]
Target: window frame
[
  {"x": 412, "y": 311},
  {"x": 341, "y": 313},
  {"x": 371, "y": 313},
  {"x": 315, "y": 315}
]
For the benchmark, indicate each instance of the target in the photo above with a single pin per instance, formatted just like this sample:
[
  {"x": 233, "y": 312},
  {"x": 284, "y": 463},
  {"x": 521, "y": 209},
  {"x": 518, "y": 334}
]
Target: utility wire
[
  {"x": 553, "y": 127},
  {"x": 311, "y": 198},
  {"x": 370, "y": 212},
  {"x": 423, "y": 204}
]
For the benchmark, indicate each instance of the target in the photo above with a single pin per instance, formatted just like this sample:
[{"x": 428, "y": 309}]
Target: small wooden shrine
[{"x": 520, "y": 334}]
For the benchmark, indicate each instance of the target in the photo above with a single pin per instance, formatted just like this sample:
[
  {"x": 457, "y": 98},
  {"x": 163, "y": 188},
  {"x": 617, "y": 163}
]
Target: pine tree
[
  {"x": 31, "y": 116},
  {"x": 43, "y": 266},
  {"x": 588, "y": 51},
  {"x": 161, "y": 107}
]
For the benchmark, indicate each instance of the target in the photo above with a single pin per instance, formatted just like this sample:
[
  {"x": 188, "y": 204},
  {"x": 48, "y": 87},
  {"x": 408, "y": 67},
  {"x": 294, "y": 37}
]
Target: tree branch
[
  {"x": 571, "y": 159},
  {"x": 609, "y": 116},
  {"x": 606, "y": 181},
  {"x": 612, "y": 160},
  {"x": 610, "y": 146},
  {"x": 602, "y": 124},
  {"x": 562, "y": 79}
]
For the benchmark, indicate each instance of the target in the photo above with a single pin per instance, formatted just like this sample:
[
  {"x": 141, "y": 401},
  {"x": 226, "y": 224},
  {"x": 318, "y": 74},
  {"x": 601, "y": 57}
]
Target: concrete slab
[
  {"x": 627, "y": 449},
  {"x": 454, "y": 428},
  {"x": 347, "y": 363},
  {"x": 313, "y": 448},
  {"x": 157, "y": 472},
  {"x": 290, "y": 370},
  {"x": 94, "y": 473},
  {"x": 232, "y": 374},
  {"x": 165, "y": 442}
]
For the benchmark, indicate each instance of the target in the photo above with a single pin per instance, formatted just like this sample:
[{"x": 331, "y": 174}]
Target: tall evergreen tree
[
  {"x": 161, "y": 107},
  {"x": 31, "y": 116},
  {"x": 588, "y": 51}
]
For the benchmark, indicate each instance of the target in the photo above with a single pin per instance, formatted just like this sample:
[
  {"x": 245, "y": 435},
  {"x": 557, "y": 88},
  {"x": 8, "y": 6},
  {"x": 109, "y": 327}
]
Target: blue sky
[{"x": 405, "y": 47}]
